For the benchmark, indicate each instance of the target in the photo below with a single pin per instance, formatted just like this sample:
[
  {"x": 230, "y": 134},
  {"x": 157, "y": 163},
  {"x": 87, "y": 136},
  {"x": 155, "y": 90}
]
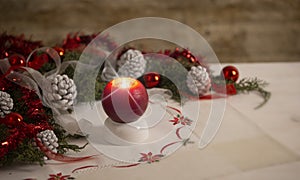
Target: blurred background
[{"x": 238, "y": 30}]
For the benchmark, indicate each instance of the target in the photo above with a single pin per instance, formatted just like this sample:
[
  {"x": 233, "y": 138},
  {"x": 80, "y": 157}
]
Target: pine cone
[
  {"x": 63, "y": 92},
  {"x": 6, "y": 104},
  {"x": 131, "y": 64},
  {"x": 198, "y": 80},
  {"x": 49, "y": 139}
]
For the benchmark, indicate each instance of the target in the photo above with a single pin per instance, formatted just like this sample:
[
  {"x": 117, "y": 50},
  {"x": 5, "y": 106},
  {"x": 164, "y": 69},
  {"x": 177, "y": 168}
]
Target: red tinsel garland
[
  {"x": 21, "y": 131},
  {"x": 18, "y": 129},
  {"x": 10, "y": 45},
  {"x": 17, "y": 49}
]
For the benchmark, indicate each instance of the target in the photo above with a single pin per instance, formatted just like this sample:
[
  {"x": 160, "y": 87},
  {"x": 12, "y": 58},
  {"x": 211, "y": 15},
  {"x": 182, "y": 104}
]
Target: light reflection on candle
[{"x": 124, "y": 83}]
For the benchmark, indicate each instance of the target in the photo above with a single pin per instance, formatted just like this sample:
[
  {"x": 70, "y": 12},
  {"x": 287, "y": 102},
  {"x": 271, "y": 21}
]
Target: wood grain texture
[{"x": 238, "y": 30}]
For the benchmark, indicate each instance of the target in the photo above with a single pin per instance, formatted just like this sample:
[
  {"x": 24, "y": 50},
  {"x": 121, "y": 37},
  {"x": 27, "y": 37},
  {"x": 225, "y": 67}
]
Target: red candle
[{"x": 124, "y": 100}]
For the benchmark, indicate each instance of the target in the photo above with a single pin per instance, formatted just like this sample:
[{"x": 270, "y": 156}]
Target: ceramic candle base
[{"x": 124, "y": 133}]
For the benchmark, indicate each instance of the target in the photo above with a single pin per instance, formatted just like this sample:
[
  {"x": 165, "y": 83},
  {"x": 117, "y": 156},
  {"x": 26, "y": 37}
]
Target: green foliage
[
  {"x": 48, "y": 67},
  {"x": 71, "y": 55},
  {"x": 4, "y": 132},
  {"x": 173, "y": 75},
  {"x": 246, "y": 85},
  {"x": 99, "y": 87},
  {"x": 64, "y": 137},
  {"x": 26, "y": 152}
]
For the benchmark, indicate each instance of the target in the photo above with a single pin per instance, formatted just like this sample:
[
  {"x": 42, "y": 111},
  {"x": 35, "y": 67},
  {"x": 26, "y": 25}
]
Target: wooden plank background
[{"x": 238, "y": 30}]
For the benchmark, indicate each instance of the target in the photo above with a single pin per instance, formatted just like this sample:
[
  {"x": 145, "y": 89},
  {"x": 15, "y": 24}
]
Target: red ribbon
[
  {"x": 228, "y": 90},
  {"x": 221, "y": 92},
  {"x": 127, "y": 166},
  {"x": 56, "y": 156}
]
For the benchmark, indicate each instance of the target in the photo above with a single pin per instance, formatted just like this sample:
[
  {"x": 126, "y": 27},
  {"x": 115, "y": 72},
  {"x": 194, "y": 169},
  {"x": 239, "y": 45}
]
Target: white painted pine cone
[
  {"x": 63, "y": 92},
  {"x": 49, "y": 139},
  {"x": 6, "y": 104},
  {"x": 131, "y": 64},
  {"x": 198, "y": 80}
]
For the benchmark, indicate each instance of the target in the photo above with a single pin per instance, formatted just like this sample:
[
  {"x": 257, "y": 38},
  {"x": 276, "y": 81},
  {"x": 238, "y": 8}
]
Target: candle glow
[
  {"x": 124, "y": 82},
  {"x": 124, "y": 99}
]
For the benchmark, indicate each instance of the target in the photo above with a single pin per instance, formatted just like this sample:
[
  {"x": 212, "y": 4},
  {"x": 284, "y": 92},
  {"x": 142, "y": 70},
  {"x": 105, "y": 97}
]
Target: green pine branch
[
  {"x": 26, "y": 153},
  {"x": 246, "y": 85}
]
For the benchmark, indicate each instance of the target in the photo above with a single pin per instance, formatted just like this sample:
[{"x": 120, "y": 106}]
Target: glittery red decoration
[
  {"x": 38, "y": 61},
  {"x": 12, "y": 120},
  {"x": 78, "y": 42},
  {"x": 19, "y": 130},
  {"x": 10, "y": 45},
  {"x": 59, "y": 50},
  {"x": 230, "y": 73},
  {"x": 17, "y": 60},
  {"x": 151, "y": 79}
]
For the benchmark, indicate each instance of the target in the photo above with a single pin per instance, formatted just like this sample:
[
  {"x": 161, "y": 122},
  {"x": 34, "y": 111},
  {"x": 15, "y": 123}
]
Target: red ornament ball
[
  {"x": 230, "y": 73},
  {"x": 12, "y": 119},
  {"x": 124, "y": 100},
  {"x": 151, "y": 79},
  {"x": 59, "y": 50},
  {"x": 17, "y": 60}
]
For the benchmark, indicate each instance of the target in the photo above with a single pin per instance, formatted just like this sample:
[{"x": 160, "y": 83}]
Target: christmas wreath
[{"x": 28, "y": 130}]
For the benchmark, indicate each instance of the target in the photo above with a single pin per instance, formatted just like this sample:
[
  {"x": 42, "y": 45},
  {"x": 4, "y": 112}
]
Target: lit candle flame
[{"x": 124, "y": 83}]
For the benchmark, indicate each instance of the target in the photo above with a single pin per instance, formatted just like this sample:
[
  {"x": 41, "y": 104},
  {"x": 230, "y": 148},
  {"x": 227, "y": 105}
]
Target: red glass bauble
[
  {"x": 59, "y": 50},
  {"x": 151, "y": 79},
  {"x": 17, "y": 60},
  {"x": 124, "y": 100},
  {"x": 230, "y": 73},
  {"x": 12, "y": 119}
]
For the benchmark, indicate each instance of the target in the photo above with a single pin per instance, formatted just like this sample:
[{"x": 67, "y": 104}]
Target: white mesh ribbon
[{"x": 33, "y": 79}]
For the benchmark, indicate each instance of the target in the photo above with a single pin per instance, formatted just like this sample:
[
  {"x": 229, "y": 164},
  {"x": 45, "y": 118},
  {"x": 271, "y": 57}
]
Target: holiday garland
[
  {"x": 28, "y": 130},
  {"x": 19, "y": 129}
]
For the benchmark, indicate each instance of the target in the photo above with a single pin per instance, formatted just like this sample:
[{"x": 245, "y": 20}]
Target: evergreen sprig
[
  {"x": 25, "y": 153},
  {"x": 64, "y": 137},
  {"x": 246, "y": 85}
]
